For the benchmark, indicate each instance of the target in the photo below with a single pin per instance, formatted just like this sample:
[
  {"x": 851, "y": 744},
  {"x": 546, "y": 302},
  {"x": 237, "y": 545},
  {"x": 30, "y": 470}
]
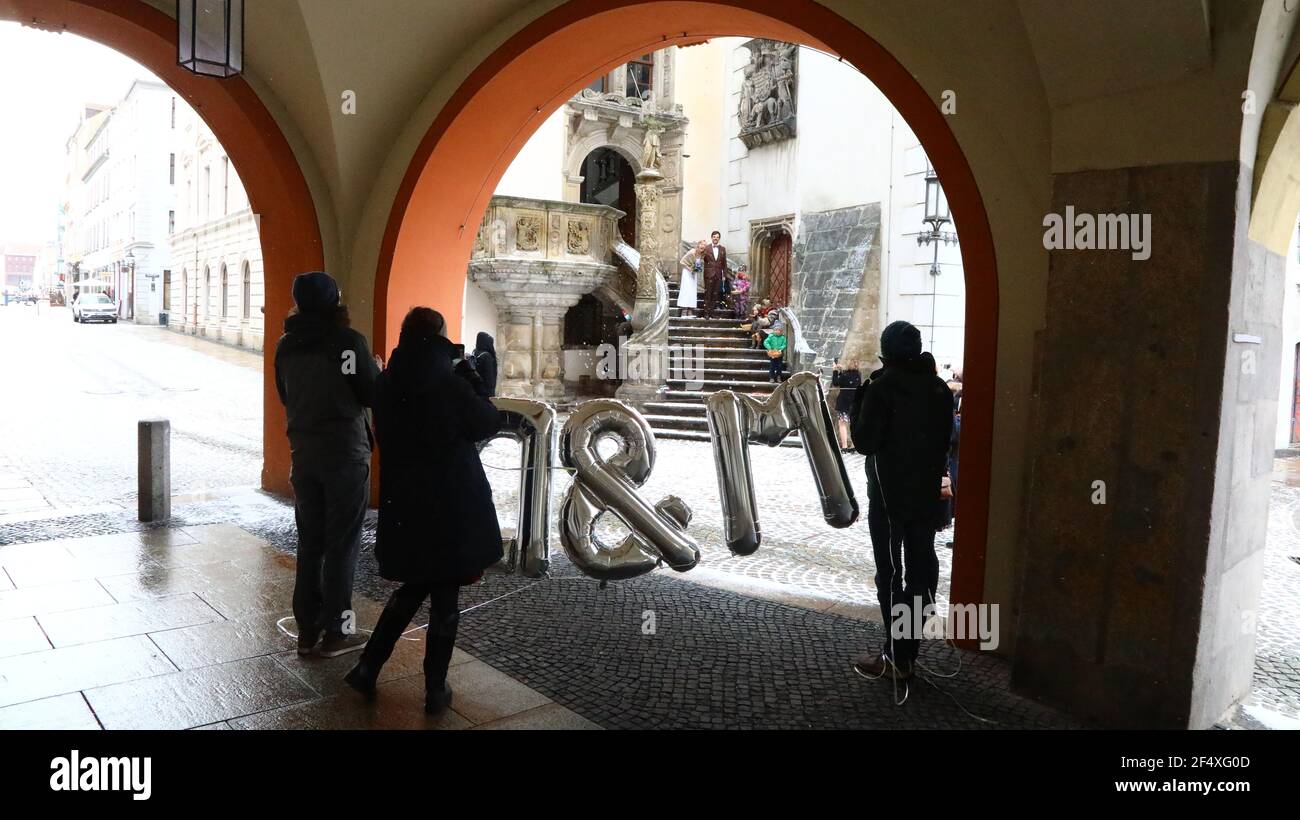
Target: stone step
[
  {"x": 718, "y": 355},
  {"x": 704, "y": 385},
  {"x": 746, "y": 374},
  {"x": 691, "y": 434},
  {"x": 675, "y": 408},
  {"x": 738, "y": 341},
  {"x": 681, "y": 332},
  {"x": 702, "y": 396},
  {"x": 700, "y": 321}
]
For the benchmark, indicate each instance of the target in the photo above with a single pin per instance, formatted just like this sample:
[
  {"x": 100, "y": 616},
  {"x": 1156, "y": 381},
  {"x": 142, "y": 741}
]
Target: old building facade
[{"x": 216, "y": 290}]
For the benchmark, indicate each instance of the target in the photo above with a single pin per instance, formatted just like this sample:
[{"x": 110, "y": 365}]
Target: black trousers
[
  {"x": 444, "y": 617},
  {"x": 907, "y": 573},
  {"x": 775, "y": 367},
  {"x": 329, "y": 508}
]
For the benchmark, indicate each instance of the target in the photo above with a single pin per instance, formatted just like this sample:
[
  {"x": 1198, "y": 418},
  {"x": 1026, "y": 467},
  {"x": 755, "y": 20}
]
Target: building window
[
  {"x": 171, "y": 222},
  {"x": 246, "y": 310},
  {"x": 600, "y": 85},
  {"x": 167, "y": 289},
  {"x": 171, "y": 171},
  {"x": 640, "y": 76},
  {"x": 173, "y": 113},
  {"x": 207, "y": 293},
  {"x": 225, "y": 291}
]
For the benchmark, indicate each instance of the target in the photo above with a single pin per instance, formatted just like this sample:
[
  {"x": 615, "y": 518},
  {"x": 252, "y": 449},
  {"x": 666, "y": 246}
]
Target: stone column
[
  {"x": 532, "y": 348},
  {"x": 647, "y": 348}
]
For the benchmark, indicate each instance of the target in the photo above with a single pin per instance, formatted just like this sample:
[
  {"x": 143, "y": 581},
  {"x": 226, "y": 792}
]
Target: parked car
[{"x": 94, "y": 307}]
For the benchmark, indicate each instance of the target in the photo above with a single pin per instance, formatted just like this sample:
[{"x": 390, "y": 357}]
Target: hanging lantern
[{"x": 211, "y": 36}]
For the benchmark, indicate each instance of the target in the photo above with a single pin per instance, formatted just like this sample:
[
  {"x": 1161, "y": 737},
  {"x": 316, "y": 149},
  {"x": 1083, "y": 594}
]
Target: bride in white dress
[{"x": 688, "y": 296}]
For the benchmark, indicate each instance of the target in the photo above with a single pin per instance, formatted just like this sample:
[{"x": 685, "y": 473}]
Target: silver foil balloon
[
  {"x": 657, "y": 532},
  {"x": 532, "y": 424},
  {"x": 736, "y": 419}
]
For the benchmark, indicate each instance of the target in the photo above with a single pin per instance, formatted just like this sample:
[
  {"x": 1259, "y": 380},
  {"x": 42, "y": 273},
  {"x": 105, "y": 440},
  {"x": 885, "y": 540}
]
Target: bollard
[{"x": 154, "y": 467}]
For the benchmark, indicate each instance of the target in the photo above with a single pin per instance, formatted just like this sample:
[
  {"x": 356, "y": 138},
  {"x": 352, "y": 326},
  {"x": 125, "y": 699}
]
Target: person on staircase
[
  {"x": 715, "y": 268},
  {"x": 775, "y": 344},
  {"x": 688, "y": 296},
  {"x": 740, "y": 293}
]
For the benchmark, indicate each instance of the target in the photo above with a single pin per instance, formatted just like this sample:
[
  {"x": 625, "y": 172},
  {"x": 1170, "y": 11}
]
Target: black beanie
[
  {"x": 315, "y": 291},
  {"x": 900, "y": 343}
]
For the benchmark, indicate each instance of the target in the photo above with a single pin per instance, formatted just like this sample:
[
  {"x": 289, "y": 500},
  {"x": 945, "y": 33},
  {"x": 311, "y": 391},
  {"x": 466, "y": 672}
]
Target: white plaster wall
[
  {"x": 701, "y": 90},
  {"x": 935, "y": 304},
  {"x": 479, "y": 315},
  {"x": 537, "y": 171},
  {"x": 1290, "y": 339}
]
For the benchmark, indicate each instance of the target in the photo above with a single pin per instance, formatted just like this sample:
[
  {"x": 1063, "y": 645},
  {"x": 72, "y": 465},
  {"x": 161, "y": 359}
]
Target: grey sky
[{"x": 44, "y": 80}]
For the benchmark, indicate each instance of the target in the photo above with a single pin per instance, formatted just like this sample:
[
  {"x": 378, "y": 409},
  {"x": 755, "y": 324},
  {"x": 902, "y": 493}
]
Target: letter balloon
[
  {"x": 736, "y": 419},
  {"x": 532, "y": 424}
]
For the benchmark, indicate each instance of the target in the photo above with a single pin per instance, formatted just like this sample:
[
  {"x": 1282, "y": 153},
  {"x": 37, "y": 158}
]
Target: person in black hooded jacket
[
  {"x": 326, "y": 378},
  {"x": 485, "y": 361},
  {"x": 902, "y": 423},
  {"x": 437, "y": 524}
]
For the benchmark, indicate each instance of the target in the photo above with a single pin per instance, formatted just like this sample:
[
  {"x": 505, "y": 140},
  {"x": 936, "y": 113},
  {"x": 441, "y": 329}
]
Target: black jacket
[
  {"x": 326, "y": 378},
  {"x": 437, "y": 522},
  {"x": 485, "y": 361},
  {"x": 902, "y": 422}
]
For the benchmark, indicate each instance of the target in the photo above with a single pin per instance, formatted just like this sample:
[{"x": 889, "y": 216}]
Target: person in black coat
[
  {"x": 325, "y": 378},
  {"x": 485, "y": 361},
  {"x": 902, "y": 423},
  {"x": 437, "y": 524}
]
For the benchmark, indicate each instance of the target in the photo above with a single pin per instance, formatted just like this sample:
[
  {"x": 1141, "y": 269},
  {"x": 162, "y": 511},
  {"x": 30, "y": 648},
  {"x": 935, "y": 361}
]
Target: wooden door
[{"x": 778, "y": 276}]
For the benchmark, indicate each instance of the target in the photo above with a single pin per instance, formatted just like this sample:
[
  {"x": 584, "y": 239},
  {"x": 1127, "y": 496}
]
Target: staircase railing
[
  {"x": 655, "y": 331},
  {"x": 799, "y": 354}
]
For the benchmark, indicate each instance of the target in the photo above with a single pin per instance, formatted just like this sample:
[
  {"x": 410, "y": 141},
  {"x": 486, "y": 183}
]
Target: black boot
[
  {"x": 437, "y": 659},
  {"x": 437, "y": 698},
  {"x": 363, "y": 678}
]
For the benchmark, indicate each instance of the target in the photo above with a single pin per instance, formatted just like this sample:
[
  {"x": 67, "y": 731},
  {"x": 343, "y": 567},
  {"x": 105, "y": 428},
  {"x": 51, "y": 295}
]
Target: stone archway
[
  {"x": 277, "y": 190},
  {"x": 466, "y": 150}
]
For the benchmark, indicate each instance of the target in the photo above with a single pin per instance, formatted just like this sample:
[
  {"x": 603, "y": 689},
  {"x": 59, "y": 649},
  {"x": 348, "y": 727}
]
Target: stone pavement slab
[
  {"x": 195, "y": 697},
  {"x": 62, "y": 712},
  {"x": 38, "y": 675},
  {"x": 18, "y": 636}
]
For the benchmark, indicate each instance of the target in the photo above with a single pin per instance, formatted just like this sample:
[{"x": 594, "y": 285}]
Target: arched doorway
[
  {"x": 291, "y": 240},
  {"x": 451, "y": 177},
  {"x": 608, "y": 179}
]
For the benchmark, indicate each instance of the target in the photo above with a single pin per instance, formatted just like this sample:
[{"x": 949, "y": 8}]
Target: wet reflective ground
[{"x": 177, "y": 629}]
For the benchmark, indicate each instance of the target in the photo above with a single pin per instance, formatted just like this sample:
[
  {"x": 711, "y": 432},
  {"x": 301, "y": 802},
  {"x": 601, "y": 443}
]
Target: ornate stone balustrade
[{"x": 535, "y": 259}]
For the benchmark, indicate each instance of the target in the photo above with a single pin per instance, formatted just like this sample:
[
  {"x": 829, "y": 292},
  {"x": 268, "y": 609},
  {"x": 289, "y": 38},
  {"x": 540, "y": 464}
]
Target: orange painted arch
[
  {"x": 450, "y": 179},
  {"x": 277, "y": 190}
]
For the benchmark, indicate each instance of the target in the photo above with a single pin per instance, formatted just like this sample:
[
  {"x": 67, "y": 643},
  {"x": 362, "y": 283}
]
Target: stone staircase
[{"x": 727, "y": 364}]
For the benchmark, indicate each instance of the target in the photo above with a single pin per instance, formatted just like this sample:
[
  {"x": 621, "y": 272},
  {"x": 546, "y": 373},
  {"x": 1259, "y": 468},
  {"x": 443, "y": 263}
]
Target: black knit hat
[
  {"x": 315, "y": 291},
  {"x": 900, "y": 343}
]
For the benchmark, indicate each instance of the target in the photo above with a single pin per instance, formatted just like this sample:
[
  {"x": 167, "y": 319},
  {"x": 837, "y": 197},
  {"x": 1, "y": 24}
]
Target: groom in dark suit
[{"x": 715, "y": 267}]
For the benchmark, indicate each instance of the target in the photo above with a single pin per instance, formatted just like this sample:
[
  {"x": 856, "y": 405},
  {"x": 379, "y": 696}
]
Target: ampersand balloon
[{"x": 658, "y": 532}]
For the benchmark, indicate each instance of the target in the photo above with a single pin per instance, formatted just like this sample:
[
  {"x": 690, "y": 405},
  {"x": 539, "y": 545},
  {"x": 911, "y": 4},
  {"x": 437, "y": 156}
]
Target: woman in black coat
[{"x": 437, "y": 523}]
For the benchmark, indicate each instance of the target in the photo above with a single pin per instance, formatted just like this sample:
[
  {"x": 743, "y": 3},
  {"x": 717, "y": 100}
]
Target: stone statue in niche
[
  {"x": 769, "y": 93},
  {"x": 651, "y": 155},
  {"x": 528, "y": 231}
]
